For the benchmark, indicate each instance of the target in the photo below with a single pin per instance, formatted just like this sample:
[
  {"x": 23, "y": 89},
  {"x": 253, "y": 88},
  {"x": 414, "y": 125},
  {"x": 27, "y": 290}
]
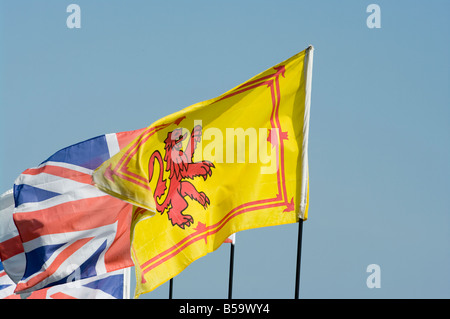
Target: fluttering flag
[
  {"x": 235, "y": 162},
  {"x": 231, "y": 239},
  {"x": 113, "y": 285},
  {"x": 70, "y": 230}
]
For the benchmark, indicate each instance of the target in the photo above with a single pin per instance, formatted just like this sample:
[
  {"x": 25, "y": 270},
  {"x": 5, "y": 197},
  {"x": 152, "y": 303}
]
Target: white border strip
[
  {"x": 126, "y": 282},
  {"x": 304, "y": 184}
]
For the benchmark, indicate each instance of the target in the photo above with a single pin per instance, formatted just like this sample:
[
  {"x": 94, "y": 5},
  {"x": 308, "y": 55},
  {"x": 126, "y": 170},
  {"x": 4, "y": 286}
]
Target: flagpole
[
  {"x": 299, "y": 258},
  {"x": 304, "y": 190},
  {"x": 171, "y": 288},
  {"x": 230, "y": 282}
]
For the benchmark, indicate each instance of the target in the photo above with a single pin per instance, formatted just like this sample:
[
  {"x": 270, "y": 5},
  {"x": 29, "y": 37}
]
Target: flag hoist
[{"x": 234, "y": 162}]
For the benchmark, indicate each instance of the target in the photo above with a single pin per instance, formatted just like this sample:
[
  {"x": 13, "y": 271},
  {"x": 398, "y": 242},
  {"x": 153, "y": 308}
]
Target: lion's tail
[{"x": 161, "y": 183}]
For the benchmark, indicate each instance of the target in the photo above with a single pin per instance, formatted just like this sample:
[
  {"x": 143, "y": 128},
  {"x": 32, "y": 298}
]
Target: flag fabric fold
[
  {"x": 11, "y": 248},
  {"x": 70, "y": 230},
  {"x": 234, "y": 162},
  {"x": 7, "y": 286}
]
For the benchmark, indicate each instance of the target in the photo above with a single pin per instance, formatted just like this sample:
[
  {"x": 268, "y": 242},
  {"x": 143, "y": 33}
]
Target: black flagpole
[
  {"x": 299, "y": 257},
  {"x": 170, "y": 288},
  {"x": 230, "y": 282}
]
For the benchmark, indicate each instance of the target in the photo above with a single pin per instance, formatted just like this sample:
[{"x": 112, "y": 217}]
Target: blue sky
[{"x": 379, "y": 132}]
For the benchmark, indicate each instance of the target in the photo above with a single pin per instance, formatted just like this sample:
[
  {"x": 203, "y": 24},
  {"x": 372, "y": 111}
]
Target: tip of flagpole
[{"x": 310, "y": 47}]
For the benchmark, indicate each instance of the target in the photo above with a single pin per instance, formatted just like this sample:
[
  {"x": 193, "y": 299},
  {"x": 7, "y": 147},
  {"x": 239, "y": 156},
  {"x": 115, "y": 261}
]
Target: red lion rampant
[{"x": 180, "y": 165}]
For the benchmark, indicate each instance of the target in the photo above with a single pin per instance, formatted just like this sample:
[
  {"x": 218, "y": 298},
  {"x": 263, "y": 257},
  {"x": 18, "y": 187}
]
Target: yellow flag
[{"x": 235, "y": 162}]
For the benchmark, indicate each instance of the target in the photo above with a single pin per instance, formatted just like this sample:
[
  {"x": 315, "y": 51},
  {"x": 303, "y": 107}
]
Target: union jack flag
[
  {"x": 69, "y": 229},
  {"x": 113, "y": 285}
]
